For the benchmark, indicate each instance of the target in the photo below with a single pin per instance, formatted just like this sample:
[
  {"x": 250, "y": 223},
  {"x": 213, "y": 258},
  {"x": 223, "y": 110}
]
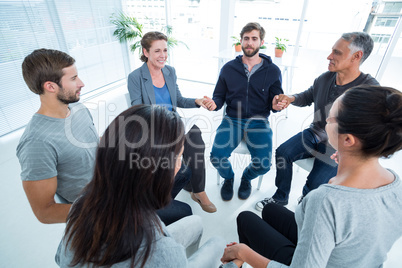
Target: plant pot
[
  {"x": 238, "y": 48},
  {"x": 278, "y": 52}
]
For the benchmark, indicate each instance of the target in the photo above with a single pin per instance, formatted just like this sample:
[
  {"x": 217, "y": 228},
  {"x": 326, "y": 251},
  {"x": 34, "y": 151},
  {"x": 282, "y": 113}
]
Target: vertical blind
[{"x": 79, "y": 28}]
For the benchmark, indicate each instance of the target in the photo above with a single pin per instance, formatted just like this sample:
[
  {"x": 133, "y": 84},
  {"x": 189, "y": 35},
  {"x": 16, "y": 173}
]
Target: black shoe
[
  {"x": 261, "y": 204},
  {"x": 244, "y": 189},
  {"x": 227, "y": 190}
]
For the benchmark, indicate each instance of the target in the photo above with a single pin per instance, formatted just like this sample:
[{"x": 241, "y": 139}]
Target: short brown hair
[
  {"x": 253, "y": 26},
  {"x": 44, "y": 65},
  {"x": 146, "y": 42}
]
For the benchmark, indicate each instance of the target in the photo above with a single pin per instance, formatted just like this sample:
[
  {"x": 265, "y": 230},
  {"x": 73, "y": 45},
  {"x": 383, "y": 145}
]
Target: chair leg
[{"x": 259, "y": 182}]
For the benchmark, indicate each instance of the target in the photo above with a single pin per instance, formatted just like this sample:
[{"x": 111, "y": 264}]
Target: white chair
[
  {"x": 306, "y": 164},
  {"x": 241, "y": 149}
]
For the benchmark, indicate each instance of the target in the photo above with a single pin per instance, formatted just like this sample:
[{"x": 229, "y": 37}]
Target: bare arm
[{"x": 40, "y": 195}]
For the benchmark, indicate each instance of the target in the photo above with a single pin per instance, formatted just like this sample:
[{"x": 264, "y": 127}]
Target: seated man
[
  {"x": 247, "y": 85},
  {"x": 348, "y": 53},
  {"x": 57, "y": 149}
]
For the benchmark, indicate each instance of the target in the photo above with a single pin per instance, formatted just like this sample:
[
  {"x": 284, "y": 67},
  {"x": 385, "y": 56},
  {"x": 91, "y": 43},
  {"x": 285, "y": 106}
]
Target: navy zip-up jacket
[{"x": 248, "y": 97}]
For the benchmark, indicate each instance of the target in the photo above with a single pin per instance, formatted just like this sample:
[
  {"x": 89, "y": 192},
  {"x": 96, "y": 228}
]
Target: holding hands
[
  {"x": 239, "y": 253},
  {"x": 232, "y": 253},
  {"x": 206, "y": 102},
  {"x": 281, "y": 101}
]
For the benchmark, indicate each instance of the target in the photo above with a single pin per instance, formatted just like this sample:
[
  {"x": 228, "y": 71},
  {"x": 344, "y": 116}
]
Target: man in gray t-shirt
[{"x": 57, "y": 150}]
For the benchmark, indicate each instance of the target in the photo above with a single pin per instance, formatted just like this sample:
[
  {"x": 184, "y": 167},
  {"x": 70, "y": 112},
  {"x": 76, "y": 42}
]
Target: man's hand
[{"x": 281, "y": 101}]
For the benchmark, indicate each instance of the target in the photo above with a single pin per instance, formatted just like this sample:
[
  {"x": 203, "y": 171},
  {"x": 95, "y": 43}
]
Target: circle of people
[{"x": 117, "y": 194}]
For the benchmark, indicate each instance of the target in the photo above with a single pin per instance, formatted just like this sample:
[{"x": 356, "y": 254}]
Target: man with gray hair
[{"x": 348, "y": 53}]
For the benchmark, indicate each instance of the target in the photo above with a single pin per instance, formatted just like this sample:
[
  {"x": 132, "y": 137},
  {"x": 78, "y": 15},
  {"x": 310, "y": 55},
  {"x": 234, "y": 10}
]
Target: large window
[{"x": 79, "y": 28}]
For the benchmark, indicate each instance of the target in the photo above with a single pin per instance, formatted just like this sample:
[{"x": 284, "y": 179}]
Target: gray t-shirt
[
  {"x": 166, "y": 252},
  {"x": 339, "y": 226},
  {"x": 58, "y": 147}
]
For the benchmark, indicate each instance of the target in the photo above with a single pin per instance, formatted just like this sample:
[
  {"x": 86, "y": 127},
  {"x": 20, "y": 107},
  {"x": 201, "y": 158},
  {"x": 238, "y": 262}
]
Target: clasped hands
[
  {"x": 279, "y": 102},
  {"x": 207, "y": 103}
]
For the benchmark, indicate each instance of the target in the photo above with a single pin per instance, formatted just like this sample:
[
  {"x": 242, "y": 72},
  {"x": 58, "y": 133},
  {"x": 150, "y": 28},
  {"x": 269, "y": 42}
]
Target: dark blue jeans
[
  {"x": 258, "y": 136},
  {"x": 303, "y": 145}
]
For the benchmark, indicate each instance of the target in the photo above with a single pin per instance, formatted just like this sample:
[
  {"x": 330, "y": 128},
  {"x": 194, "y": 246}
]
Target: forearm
[{"x": 254, "y": 259}]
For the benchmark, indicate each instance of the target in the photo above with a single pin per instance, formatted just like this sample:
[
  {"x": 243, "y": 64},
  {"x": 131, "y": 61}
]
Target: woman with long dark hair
[
  {"x": 155, "y": 83},
  {"x": 352, "y": 221},
  {"x": 114, "y": 221}
]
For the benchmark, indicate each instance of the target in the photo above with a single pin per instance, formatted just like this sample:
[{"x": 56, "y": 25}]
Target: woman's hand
[
  {"x": 335, "y": 157},
  {"x": 240, "y": 253},
  {"x": 233, "y": 251},
  {"x": 207, "y": 103}
]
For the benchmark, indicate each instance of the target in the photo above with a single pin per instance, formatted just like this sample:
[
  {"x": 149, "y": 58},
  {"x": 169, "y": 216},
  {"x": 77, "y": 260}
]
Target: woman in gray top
[
  {"x": 352, "y": 221},
  {"x": 114, "y": 222}
]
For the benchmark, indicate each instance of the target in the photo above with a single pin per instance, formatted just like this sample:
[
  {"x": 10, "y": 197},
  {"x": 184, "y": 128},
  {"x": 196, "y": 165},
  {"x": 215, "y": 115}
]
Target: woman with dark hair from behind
[
  {"x": 352, "y": 221},
  {"x": 114, "y": 222}
]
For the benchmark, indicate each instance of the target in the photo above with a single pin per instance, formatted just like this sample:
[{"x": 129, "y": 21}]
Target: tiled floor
[{"x": 24, "y": 242}]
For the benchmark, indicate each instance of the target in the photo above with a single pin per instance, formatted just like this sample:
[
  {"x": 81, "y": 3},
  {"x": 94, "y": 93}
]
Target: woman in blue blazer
[{"x": 155, "y": 83}]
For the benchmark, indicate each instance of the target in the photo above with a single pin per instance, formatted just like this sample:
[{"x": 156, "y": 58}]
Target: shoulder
[
  {"x": 141, "y": 71},
  {"x": 324, "y": 77},
  {"x": 233, "y": 64},
  {"x": 369, "y": 80}
]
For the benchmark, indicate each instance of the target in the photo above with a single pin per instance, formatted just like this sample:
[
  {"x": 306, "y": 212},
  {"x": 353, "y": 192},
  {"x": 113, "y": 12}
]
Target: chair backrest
[
  {"x": 128, "y": 99},
  {"x": 306, "y": 164}
]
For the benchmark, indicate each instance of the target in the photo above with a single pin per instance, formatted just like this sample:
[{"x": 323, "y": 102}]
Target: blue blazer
[{"x": 141, "y": 88}]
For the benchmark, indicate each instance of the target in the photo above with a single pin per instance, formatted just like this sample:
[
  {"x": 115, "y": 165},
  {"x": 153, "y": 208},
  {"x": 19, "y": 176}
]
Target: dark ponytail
[{"x": 374, "y": 115}]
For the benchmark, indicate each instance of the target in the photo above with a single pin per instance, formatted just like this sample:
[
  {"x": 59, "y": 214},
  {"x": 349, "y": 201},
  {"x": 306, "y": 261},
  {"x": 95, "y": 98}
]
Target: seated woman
[
  {"x": 352, "y": 221},
  {"x": 155, "y": 83},
  {"x": 114, "y": 222}
]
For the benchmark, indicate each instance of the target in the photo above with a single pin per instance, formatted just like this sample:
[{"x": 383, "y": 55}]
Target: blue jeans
[
  {"x": 258, "y": 137},
  {"x": 303, "y": 145}
]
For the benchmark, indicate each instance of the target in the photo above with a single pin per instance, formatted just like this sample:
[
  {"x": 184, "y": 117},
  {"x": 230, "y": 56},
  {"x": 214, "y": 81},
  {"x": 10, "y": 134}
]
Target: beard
[
  {"x": 252, "y": 53},
  {"x": 67, "y": 98}
]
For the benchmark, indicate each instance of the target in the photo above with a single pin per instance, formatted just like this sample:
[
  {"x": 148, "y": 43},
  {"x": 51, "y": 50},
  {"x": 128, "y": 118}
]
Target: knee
[
  {"x": 194, "y": 139},
  {"x": 243, "y": 218},
  {"x": 268, "y": 210}
]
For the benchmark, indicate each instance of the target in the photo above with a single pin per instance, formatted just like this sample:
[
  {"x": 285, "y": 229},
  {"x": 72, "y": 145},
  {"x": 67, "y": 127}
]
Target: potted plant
[
  {"x": 280, "y": 46},
  {"x": 128, "y": 29},
  {"x": 236, "y": 44},
  {"x": 263, "y": 49}
]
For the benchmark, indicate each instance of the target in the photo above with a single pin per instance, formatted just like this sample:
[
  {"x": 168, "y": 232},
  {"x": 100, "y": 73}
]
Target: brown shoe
[{"x": 210, "y": 208}]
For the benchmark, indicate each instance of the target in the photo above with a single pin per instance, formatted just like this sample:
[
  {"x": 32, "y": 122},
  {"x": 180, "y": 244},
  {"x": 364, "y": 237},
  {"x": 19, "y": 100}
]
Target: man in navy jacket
[{"x": 248, "y": 85}]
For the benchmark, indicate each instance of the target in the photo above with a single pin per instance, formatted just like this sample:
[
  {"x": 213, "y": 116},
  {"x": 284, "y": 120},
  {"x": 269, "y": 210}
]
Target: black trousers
[
  {"x": 177, "y": 209},
  {"x": 274, "y": 236},
  {"x": 193, "y": 157}
]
